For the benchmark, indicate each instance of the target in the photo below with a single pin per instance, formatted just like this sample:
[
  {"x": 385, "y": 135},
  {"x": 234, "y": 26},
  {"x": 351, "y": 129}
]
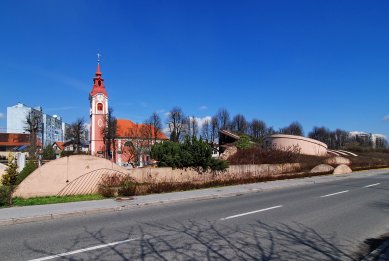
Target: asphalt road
[{"x": 327, "y": 221}]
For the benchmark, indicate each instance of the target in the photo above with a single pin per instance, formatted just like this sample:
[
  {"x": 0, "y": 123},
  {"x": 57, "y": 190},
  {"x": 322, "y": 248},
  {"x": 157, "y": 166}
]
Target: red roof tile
[
  {"x": 60, "y": 145},
  {"x": 129, "y": 129},
  {"x": 16, "y": 139}
]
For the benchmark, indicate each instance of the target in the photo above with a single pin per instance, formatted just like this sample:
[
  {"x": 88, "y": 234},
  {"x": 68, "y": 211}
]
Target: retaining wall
[
  {"x": 81, "y": 174},
  {"x": 51, "y": 178}
]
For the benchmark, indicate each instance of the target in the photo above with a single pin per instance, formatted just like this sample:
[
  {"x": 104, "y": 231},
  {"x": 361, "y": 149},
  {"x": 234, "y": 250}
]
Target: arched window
[
  {"x": 99, "y": 83},
  {"x": 99, "y": 106}
]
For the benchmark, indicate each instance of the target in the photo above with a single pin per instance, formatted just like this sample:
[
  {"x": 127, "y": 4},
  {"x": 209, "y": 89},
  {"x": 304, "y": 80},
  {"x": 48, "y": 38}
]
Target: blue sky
[{"x": 317, "y": 62}]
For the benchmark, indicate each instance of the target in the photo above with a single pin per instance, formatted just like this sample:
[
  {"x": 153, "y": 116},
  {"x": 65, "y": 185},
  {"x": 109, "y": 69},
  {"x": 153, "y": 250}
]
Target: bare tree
[
  {"x": 177, "y": 123},
  {"x": 206, "y": 130},
  {"x": 155, "y": 122},
  {"x": 76, "y": 133},
  {"x": 193, "y": 126},
  {"x": 294, "y": 128},
  {"x": 152, "y": 130},
  {"x": 139, "y": 143},
  {"x": 214, "y": 132},
  {"x": 340, "y": 138},
  {"x": 258, "y": 130},
  {"x": 270, "y": 131},
  {"x": 33, "y": 126},
  {"x": 322, "y": 134},
  {"x": 223, "y": 118},
  {"x": 109, "y": 132},
  {"x": 239, "y": 124}
]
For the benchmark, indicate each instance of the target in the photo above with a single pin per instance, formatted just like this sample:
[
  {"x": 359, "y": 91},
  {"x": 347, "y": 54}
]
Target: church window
[
  {"x": 99, "y": 83},
  {"x": 99, "y": 106}
]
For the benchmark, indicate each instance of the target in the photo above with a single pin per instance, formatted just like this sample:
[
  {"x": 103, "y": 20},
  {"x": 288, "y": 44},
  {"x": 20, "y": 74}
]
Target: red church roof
[{"x": 129, "y": 129}]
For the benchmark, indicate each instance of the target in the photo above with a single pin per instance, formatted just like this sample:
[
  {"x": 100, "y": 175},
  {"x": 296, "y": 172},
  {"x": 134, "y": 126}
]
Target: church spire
[
  {"x": 98, "y": 72},
  {"x": 98, "y": 81}
]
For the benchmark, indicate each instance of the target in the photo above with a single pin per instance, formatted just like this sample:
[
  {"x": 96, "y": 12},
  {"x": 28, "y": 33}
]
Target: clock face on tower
[{"x": 100, "y": 97}]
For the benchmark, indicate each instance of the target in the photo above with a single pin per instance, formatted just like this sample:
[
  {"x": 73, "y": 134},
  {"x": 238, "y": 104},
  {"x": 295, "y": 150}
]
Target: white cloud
[
  {"x": 386, "y": 118},
  {"x": 2, "y": 116},
  {"x": 203, "y": 108}
]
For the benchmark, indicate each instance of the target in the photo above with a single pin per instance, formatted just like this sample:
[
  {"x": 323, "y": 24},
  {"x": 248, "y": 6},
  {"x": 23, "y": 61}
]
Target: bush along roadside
[
  {"x": 12, "y": 178},
  {"x": 8, "y": 182},
  {"x": 119, "y": 185},
  {"x": 193, "y": 152},
  {"x": 27, "y": 170}
]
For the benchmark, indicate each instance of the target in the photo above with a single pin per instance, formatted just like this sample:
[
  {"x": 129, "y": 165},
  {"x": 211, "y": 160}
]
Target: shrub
[
  {"x": 11, "y": 172},
  {"x": 128, "y": 187},
  {"x": 115, "y": 184},
  {"x": 218, "y": 164},
  {"x": 27, "y": 170},
  {"x": 193, "y": 153},
  {"x": 106, "y": 191},
  {"x": 9, "y": 179},
  {"x": 48, "y": 153},
  {"x": 244, "y": 142},
  {"x": 257, "y": 155},
  {"x": 4, "y": 196}
]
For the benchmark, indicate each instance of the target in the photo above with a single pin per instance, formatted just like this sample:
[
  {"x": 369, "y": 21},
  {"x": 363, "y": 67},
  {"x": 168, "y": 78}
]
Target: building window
[{"x": 99, "y": 106}]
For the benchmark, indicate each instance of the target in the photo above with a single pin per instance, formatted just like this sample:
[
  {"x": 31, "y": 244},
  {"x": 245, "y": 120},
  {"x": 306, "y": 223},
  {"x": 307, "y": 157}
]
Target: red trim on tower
[{"x": 98, "y": 83}]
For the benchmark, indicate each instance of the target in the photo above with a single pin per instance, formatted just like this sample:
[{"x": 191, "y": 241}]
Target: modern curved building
[{"x": 307, "y": 146}]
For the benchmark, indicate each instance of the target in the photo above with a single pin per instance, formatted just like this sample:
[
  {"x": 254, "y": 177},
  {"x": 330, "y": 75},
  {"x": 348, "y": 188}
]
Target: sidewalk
[{"x": 17, "y": 215}]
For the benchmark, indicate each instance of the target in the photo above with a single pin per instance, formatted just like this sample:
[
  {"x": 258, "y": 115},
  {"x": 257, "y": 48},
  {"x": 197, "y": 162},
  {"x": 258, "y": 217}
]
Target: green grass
[{"x": 53, "y": 199}]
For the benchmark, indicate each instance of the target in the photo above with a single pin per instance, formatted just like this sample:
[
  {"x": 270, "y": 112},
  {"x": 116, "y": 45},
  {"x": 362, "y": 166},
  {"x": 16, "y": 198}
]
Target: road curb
[
  {"x": 14, "y": 221},
  {"x": 376, "y": 254}
]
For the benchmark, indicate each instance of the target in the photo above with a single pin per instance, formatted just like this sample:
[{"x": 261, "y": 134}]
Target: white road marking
[
  {"x": 368, "y": 186},
  {"x": 340, "y": 192},
  {"x": 84, "y": 250},
  {"x": 251, "y": 212}
]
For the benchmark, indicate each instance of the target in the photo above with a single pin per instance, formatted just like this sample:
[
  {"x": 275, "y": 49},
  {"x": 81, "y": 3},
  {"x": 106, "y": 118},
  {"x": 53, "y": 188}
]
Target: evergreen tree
[
  {"x": 49, "y": 153},
  {"x": 10, "y": 177}
]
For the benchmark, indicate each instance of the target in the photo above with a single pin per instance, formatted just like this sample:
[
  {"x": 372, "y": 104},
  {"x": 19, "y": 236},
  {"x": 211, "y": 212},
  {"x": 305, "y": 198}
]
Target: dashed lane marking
[
  {"x": 251, "y": 212},
  {"x": 332, "y": 194},
  {"x": 84, "y": 250}
]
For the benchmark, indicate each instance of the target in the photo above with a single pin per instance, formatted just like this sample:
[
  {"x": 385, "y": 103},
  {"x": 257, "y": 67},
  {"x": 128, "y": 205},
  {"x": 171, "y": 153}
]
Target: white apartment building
[{"x": 53, "y": 128}]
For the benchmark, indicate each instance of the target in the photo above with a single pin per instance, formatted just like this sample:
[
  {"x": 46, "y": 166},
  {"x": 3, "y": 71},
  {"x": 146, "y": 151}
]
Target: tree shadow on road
[{"x": 210, "y": 240}]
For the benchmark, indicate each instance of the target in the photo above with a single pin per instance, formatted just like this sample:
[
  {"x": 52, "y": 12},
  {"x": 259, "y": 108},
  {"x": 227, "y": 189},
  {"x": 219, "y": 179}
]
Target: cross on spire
[{"x": 98, "y": 56}]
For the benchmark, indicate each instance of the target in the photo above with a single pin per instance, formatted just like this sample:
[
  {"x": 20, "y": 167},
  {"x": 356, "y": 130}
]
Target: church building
[{"x": 133, "y": 141}]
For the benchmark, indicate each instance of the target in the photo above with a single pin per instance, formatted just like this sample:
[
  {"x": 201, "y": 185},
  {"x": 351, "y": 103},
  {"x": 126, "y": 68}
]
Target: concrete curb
[
  {"x": 376, "y": 254},
  {"x": 14, "y": 221}
]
